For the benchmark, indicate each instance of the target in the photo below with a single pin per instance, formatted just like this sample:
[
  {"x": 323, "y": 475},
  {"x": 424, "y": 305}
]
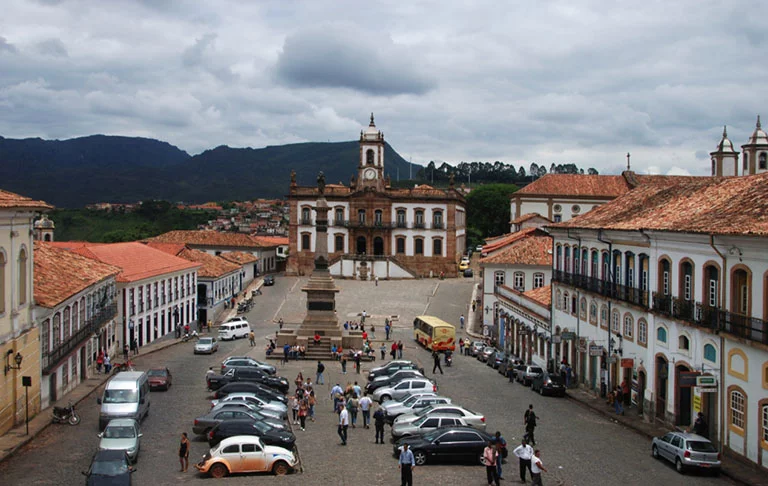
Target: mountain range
[{"x": 101, "y": 168}]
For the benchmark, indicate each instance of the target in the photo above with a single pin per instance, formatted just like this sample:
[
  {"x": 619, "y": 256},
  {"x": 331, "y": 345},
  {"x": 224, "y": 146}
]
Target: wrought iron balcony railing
[{"x": 53, "y": 357}]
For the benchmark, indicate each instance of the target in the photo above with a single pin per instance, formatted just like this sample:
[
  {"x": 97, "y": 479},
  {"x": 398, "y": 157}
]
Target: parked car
[
  {"x": 528, "y": 375},
  {"x": 250, "y": 387},
  {"x": 476, "y": 347},
  {"x": 412, "y": 405},
  {"x": 390, "y": 380},
  {"x": 409, "y": 397},
  {"x": 479, "y": 248},
  {"x": 392, "y": 367},
  {"x": 248, "y": 406},
  {"x": 253, "y": 398},
  {"x": 496, "y": 360},
  {"x": 205, "y": 423},
  {"x": 269, "y": 435},
  {"x": 548, "y": 384},
  {"x": 518, "y": 371},
  {"x": 403, "y": 388},
  {"x": 463, "y": 265},
  {"x": 269, "y": 280},
  {"x": 246, "y": 362},
  {"x": 121, "y": 435},
  {"x": 453, "y": 444},
  {"x": 159, "y": 379},
  {"x": 425, "y": 424},
  {"x": 686, "y": 451},
  {"x": 244, "y": 454},
  {"x": 206, "y": 345},
  {"x": 468, "y": 272},
  {"x": 473, "y": 419},
  {"x": 486, "y": 353},
  {"x": 109, "y": 467},
  {"x": 214, "y": 382}
]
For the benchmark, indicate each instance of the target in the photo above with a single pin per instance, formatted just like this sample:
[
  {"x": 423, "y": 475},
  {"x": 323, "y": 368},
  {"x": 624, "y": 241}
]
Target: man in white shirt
[
  {"x": 536, "y": 468},
  {"x": 343, "y": 425},
  {"x": 365, "y": 407},
  {"x": 524, "y": 452}
]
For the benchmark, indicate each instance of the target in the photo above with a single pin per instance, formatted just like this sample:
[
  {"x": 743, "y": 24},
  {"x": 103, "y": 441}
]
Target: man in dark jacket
[{"x": 378, "y": 421}]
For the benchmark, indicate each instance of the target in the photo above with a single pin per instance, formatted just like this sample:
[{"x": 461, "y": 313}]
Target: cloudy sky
[{"x": 582, "y": 81}]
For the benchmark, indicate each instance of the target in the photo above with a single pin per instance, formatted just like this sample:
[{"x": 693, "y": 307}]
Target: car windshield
[
  {"x": 425, "y": 410},
  {"x": 109, "y": 468},
  {"x": 421, "y": 421},
  {"x": 411, "y": 400},
  {"x": 701, "y": 446},
  {"x": 119, "y": 432},
  {"x": 156, "y": 373},
  {"x": 205, "y": 340},
  {"x": 262, "y": 427},
  {"x": 120, "y": 396}
]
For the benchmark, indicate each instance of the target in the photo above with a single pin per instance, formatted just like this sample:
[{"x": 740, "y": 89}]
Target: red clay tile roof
[
  {"x": 211, "y": 265},
  {"x": 542, "y": 295},
  {"x": 526, "y": 217},
  {"x": 60, "y": 274},
  {"x": 532, "y": 248},
  {"x": 709, "y": 205},
  {"x": 577, "y": 185},
  {"x": 13, "y": 200},
  {"x": 136, "y": 260},
  {"x": 239, "y": 257},
  {"x": 273, "y": 240},
  {"x": 171, "y": 248},
  {"x": 208, "y": 238},
  {"x": 505, "y": 239}
]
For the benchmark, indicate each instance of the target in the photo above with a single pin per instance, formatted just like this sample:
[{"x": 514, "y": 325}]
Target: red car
[{"x": 160, "y": 378}]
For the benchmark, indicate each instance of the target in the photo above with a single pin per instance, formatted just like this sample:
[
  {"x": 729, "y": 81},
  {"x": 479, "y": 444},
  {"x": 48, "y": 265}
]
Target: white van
[
  {"x": 234, "y": 330},
  {"x": 125, "y": 396}
]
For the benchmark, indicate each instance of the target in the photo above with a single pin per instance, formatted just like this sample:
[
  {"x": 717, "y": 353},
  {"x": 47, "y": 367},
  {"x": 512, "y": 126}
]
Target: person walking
[
  {"x": 184, "y": 452},
  {"x": 436, "y": 361},
  {"x": 303, "y": 412},
  {"x": 378, "y": 422},
  {"x": 501, "y": 446},
  {"x": 618, "y": 400},
  {"x": 344, "y": 364},
  {"x": 252, "y": 338},
  {"x": 626, "y": 393},
  {"x": 107, "y": 364},
  {"x": 530, "y": 424},
  {"x": 336, "y": 393},
  {"x": 400, "y": 350},
  {"x": 353, "y": 405},
  {"x": 312, "y": 401},
  {"x": 387, "y": 328},
  {"x": 524, "y": 453},
  {"x": 295, "y": 405},
  {"x": 343, "y": 425},
  {"x": 490, "y": 456},
  {"x": 461, "y": 321},
  {"x": 536, "y": 468},
  {"x": 99, "y": 361},
  {"x": 700, "y": 426},
  {"x": 135, "y": 347},
  {"x": 383, "y": 351},
  {"x": 365, "y": 407},
  {"x": 319, "y": 380},
  {"x": 376, "y": 279},
  {"x": 357, "y": 362},
  {"x": 125, "y": 352},
  {"x": 406, "y": 463}
]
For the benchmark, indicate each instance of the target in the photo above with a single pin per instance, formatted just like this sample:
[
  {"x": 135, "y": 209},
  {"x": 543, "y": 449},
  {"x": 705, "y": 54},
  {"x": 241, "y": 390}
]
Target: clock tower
[{"x": 370, "y": 169}]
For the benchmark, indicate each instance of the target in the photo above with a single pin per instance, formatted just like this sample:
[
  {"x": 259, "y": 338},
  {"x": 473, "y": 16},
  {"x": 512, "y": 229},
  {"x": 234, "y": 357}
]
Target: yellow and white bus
[{"x": 434, "y": 334}]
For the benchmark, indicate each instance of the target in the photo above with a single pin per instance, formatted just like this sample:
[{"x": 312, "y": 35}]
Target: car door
[
  {"x": 674, "y": 447},
  {"x": 231, "y": 454},
  {"x": 253, "y": 457},
  {"x": 429, "y": 424},
  {"x": 463, "y": 445}
]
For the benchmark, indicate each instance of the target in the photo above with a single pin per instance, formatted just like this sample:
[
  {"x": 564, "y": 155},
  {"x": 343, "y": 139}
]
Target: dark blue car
[{"x": 110, "y": 467}]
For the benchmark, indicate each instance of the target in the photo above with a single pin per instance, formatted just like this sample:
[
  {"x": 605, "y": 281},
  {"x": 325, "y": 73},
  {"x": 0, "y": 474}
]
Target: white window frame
[
  {"x": 737, "y": 403},
  {"x": 499, "y": 277},
  {"x": 519, "y": 281},
  {"x": 538, "y": 280}
]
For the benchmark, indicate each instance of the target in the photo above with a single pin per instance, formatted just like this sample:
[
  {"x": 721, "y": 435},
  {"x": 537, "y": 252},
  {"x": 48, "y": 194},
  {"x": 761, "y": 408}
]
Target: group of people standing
[
  {"x": 348, "y": 403},
  {"x": 303, "y": 402}
]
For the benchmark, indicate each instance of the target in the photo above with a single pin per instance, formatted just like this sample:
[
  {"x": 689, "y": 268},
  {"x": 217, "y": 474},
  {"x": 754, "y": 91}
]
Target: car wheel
[
  {"x": 219, "y": 470},
  {"x": 280, "y": 468},
  {"x": 420, "y": 457},
  {"x": 655, "y": 452},
  {"x": 385, "y": 398},
  {"x": 679, "y": 465}
]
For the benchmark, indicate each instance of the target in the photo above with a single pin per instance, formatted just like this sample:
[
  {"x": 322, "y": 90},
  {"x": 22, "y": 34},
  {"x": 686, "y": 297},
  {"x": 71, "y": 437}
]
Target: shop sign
[
  {"x": 612, "y": 359},
  {"x": 697, "y": 403},
  {"x": 486, "y": 330},
  {"x": 706, "y": 381},
  {"x": 595, "y": 350},
  {"x": 569, "y": 336},
  {"x": 627, "y": 363},
  {"x": 708, "y": 389},
  {"x": 687, "y": 379},
  {"x": 556, "y": 339}
]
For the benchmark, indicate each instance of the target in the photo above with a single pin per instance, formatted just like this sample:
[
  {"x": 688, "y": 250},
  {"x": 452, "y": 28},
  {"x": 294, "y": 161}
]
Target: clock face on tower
[{"x": 370, "y": 174}]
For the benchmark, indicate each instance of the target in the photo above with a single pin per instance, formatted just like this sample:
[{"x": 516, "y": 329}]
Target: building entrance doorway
[
  {"x": 662, "y": 374},
  {"x": 684, "y": 398},
  {"x": 360, "y": 245},
  {"x": 378, "y": 246}
]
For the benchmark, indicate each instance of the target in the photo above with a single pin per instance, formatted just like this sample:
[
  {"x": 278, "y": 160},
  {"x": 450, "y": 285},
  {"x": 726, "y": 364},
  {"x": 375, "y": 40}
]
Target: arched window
[
  {"x": 339, "y": 215},
  {"x": 684, "y": 344},
  {"x": 338, "y": 243},
  {"x": 378, "y": 216},
  {"x": 305, "y": 216},
  {"x": 419, "y": 223},
  {"x": 67, "y": 324},
  {"x": 661, "y": 335},
  {"x": 361, "y": 216},
  {"x": 686, "y": 280},
  {"x": 712, "y": 283},
  {"x": 593, "y": 313},
  {"x": 558, "y": 300},
  {"x": 559, "y": 259},
  {"x": 583, "y": 308},
  {"x": 604, "y": 317},
  {"x": 400, "y": 244},
  {"x": 306, "y": 241},
  {"x": 437, "y": 219},
  {"x": 566, "y": 302},
  {"x": 575, "y": 268},
  {"x": 606, "y": 275},
  {"x": 23, "y": 276},
  {"x": 745, "y": 163},
  {"x": 594, "y": 272},
  {"x": 737, "y": 406},
  {"x": 664, "y": 276},
  {"x": 762, "y": 164},
  {"x": 2, "y": 282},
  {"x": 498, "y": 277},
  {"x": 401, "y": 218},
  {"x": 615, "y": 318},
  {"x": 584, "y": 261},
  {"x": 629, "y": 326},
  {"x": 567, "y": 260},
  {"x": 45, "y": 336},
  {"x": 710, "y": 353},
  {"x": 642, "y": 332}
]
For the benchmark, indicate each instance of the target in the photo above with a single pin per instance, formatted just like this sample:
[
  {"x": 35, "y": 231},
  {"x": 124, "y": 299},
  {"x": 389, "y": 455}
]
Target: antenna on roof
[{"x": 628, "y": 160}]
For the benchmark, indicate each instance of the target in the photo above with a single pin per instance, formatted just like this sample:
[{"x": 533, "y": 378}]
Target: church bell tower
[
  {"x": 370, "y": 169},
  {"x": 725, "y": 160}
]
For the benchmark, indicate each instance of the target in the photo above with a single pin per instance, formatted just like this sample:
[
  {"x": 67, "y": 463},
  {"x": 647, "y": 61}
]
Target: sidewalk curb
[
  {"x": 608, "y": 414},
  {"x": 34, "y": 433}
]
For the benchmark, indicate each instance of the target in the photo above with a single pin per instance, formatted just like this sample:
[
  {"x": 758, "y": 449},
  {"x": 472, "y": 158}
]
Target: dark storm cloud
[{"x": 336, "y": 58}]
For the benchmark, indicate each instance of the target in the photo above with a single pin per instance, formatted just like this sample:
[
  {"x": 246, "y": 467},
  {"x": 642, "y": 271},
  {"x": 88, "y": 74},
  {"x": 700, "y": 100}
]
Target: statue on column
[{"x": 321, "y": 183}]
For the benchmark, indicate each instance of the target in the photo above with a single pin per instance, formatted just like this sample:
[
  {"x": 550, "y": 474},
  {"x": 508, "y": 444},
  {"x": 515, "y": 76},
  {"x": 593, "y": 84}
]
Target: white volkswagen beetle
[{"x": 245, "y": 454}]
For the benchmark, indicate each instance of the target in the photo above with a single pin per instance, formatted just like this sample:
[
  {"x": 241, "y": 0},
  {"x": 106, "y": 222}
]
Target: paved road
[{"x": 578, "y": 446}]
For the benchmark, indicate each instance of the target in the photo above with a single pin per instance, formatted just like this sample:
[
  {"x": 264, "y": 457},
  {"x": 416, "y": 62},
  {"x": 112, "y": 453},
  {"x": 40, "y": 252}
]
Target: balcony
[
  {"x": 401, "y": 224},
  {"x": 419, "y": 225},
  {"x": 602, "y": 287},
  {"x": 102, "y": 315},
  {"x": 306, "y": 221},
  {"x": 438, "y": 226},
  {"x": 368, "y": 224}
]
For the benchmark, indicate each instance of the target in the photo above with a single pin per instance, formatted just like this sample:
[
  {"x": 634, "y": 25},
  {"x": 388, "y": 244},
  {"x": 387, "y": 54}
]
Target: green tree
[{"x": 488, "y": 209}]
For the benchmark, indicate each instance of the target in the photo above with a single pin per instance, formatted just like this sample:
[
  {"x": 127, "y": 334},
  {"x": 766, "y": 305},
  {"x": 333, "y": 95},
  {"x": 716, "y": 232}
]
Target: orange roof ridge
[
  {"x": 542, "y": 295},
  {"x": 12, "y": 200},
  {"x": 532, "y": 248},
  {"x": 577, "y": 185},
  {"x": 211, "y": 266}
]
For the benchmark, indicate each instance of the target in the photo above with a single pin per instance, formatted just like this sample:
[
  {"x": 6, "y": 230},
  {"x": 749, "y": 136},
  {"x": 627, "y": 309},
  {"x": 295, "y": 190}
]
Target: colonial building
[
  {"x": 375, "y": 229},
  {"x": 156, "y": 291},
  {"x": 216, "y": 243},
  {"x": 76, "y": 308},
  {"x": 19, "y": 336},
  {"x": 666, "y": 285}
]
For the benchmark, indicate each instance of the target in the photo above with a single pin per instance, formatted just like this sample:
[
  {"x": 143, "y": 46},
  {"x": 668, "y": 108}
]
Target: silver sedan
[{"x": 471, "y": 418}]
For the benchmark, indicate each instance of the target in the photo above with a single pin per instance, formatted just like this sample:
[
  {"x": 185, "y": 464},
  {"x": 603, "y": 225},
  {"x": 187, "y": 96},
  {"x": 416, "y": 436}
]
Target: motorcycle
[
  {"x": 188, "y": 336},
  {"x": 118, "y": 367},
  {"x": 448, "y": 358},
  {"x": 68, "y": 415}
]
